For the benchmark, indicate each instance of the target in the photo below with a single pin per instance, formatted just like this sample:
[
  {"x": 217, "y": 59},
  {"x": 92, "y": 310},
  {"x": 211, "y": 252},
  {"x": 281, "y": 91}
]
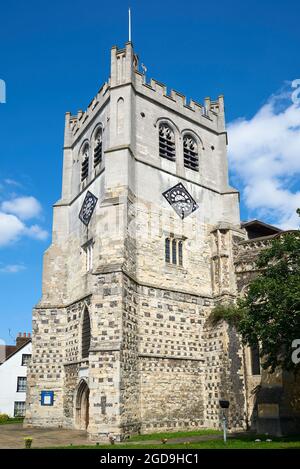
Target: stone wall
[
  {"x": 46, "y": 370},
  {"x": 172, "y": 396},
  {"x": 154, "y": 360}
]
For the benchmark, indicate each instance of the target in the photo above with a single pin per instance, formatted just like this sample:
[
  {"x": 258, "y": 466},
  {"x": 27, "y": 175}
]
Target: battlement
[
  {"x": 124, "y": 71},
  {"x": 209, "y": 111},
  {"x": 76, "y": 122}
]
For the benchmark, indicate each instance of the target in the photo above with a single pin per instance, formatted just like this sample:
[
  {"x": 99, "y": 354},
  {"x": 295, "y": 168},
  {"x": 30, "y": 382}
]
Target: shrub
[
  {"x": 4, "y": 418},
  {"x": 28, "y": 442}
]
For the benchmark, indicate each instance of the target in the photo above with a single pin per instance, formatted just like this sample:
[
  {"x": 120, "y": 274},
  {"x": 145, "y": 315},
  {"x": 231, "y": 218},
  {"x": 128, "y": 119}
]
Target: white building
[{"x": 13, "y": 378}]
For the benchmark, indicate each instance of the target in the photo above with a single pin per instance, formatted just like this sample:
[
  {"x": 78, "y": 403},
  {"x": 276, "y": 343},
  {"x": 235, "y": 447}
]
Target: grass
[
  {"x": 211, "y": 444},
  {"x": 159, "y": 436},
  {"x": 11, "y": 420},
  {"x": 241, "y": 442}
]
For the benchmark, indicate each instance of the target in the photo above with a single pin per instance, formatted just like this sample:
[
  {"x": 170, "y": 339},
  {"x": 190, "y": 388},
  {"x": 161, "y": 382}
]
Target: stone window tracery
[
  {"x": 166, "y": 142},
  {"x": 190, "y": 153},
  {"x": 98, "y": 148},
  {"x": 85, "y": 162}
]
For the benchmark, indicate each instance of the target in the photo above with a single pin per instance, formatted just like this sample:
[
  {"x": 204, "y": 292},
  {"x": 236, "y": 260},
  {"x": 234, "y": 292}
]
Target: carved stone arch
[
  {"x": 168, "y": 121},
  {"x": 167, "y": 138},
  {"x": 84, "y": 159},
  {"x": 96, "y": 129},
  {"x": 84, "y": 144},
  {"x": 194, "y": 135},
  {"x": 81, "y": 400},
  {"x": 79, "y": 389},
  {"x": 97, "y": 144},
  {"x": 191, "y": 145}
]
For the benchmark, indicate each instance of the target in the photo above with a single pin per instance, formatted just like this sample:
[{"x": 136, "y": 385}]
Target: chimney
[{"x": 22, "y": 339}]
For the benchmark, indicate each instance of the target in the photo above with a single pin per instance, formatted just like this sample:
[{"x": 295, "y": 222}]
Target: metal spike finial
[{"x": 129, "y": 24}]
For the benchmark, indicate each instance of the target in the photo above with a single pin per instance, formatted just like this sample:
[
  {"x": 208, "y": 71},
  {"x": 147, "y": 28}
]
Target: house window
[
  {"x": 19, "y": 409},
  {"x": 190, "y": 153},
  {"x": 25, "y": 359},
  {"x": 22, "y": 384},
  {"x": 255, "y": 360},
  {"x": 174, "y": 251},
  {"x": 86, "y": 334},
  {"x": 88, "y": 250},
  {"x": 166, "y": 142},
  {"x": 85, "y": 162},
  {"x": 98, "y": 148}
]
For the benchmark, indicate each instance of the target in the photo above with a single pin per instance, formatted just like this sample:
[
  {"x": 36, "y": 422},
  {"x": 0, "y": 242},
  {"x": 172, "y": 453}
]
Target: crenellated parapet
[
  {"x": 210, "y": 114},
  {"x": 125, "y": 71},
  {"x": 77, "y": 123}
]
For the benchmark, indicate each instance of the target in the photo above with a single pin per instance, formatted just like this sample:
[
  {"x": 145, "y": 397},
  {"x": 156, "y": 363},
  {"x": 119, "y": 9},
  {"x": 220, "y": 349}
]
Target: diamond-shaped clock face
[
  {"x": 87, "y": 208},
  {"x": 181, "y": 200}
]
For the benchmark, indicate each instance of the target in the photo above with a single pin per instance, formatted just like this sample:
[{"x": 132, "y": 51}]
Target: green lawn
[
  {"x": 159, "y": 436},
  {"x": 242, "y": 442},
  {"x": 212, "y": 444}
]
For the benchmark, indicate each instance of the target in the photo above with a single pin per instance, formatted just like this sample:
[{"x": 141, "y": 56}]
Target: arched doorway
[{"x": 82, "y": 406}]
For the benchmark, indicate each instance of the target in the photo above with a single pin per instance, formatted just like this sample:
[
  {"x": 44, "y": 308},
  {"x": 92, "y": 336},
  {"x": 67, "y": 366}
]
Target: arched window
[
  {"x": 85, "y": 334},
  {"x": 98, "y": 148},
  {"x": 166, "y": 142},
  {"x": 85, "y": 162},
  {"x": 190, "y": 153}
]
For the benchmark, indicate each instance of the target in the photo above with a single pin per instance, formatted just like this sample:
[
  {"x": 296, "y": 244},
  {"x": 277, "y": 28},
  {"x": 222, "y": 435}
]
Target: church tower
[{"x": 141, "y": 251}]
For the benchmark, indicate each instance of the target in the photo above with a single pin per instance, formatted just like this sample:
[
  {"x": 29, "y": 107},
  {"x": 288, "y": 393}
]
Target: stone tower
[{"x": 142, "y": 249}]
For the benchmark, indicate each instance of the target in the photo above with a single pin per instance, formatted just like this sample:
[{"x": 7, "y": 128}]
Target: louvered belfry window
[
  {"x": 190, "y": 153},
  {"x": 85, "y": 163},
  {"x": 98, "y": 148},
  {"x": 166, "y": 142},
  {"x": 86, "y": 334}
]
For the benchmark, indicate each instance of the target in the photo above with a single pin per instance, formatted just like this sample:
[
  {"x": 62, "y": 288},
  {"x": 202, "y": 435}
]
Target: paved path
[{"x": 12, "y": 436}]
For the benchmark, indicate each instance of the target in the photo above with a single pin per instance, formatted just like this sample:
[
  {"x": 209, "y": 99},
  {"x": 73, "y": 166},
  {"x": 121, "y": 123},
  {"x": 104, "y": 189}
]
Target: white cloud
[
  {"x": 36, "y": 232},
  {"x": 12, "y": 268},
  {"x": 14, "y": 215},
  {"x": 24, "y": 207},
  {"x": 264, "y": 154},
  {"x": 11, "y": 228},
  {"x": 12, "y": 182}
]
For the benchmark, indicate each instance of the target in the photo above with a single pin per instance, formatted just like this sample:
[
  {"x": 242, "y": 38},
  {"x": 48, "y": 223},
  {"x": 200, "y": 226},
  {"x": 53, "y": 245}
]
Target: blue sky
[{"x": 55, "y": 55}]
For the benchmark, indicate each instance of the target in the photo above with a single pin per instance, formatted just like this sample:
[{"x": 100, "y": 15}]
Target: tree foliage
[{"x": 269, "y": 313}]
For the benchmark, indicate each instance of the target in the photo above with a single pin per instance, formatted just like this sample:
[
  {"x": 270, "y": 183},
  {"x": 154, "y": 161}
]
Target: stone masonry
[{"x": 154, "y": 361}]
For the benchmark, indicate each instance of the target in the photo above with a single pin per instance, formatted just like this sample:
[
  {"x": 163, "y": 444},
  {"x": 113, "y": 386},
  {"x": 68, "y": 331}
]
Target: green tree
[{"x": 269, "y": 313}]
